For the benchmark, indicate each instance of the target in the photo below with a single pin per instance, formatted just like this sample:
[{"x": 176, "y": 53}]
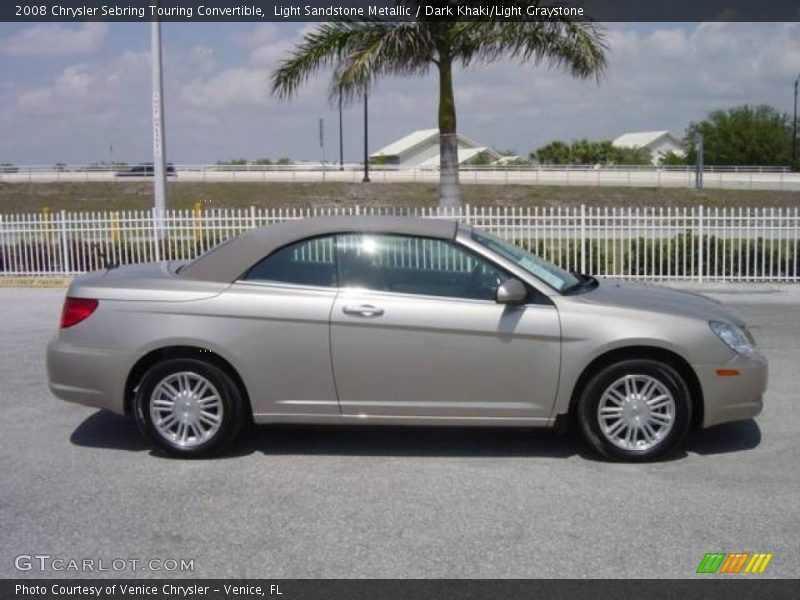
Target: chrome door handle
[{"x": 363, "y": 310}]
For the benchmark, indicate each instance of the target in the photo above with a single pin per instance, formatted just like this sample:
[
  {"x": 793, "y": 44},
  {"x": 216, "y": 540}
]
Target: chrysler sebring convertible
[{"x": 398, "y": 321}]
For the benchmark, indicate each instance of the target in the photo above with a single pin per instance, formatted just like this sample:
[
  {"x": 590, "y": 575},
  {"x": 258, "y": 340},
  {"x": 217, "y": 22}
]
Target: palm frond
[
  {"x": 578, "y": 46},
  {"x": 386, "y": 48},
  {"x": 358, "y": 52},
  {"x": 319, "y": 49}
]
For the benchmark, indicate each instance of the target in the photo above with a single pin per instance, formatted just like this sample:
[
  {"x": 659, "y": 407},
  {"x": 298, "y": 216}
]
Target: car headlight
[{"x": 734, "y": 337}]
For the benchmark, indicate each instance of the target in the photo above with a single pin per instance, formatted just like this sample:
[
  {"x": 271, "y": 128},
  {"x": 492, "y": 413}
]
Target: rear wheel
[
  {"x": 635, "y": 410},
  {"x": 188, "y": 407}
]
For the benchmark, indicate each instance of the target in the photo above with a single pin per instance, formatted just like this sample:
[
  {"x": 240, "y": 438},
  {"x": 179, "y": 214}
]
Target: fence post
[
  {"x": 64, "y": 246},
  {"x": 700, "y": 248},
  {"x": 583, "y": 238},
  {"x": 252, "y": 217}
]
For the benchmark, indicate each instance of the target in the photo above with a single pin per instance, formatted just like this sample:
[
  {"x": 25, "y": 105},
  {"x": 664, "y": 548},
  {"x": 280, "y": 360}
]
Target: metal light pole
[
  {"x": 699, "y": 163},
  {"x": 794, "y": 127},
  {"x": 322, "y": 144},
  {"x": 159, "y": 165},
  {"x": 341, "y": 137},
  {"x": 366, "y": 138}
]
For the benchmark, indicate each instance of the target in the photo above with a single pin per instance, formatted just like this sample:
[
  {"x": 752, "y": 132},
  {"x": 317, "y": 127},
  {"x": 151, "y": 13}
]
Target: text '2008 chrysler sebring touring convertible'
[{"x": 389, "y": 320}]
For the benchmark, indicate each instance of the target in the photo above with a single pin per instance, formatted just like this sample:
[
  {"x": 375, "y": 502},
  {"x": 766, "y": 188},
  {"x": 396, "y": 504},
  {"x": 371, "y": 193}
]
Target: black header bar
[
  {"x": 396, "y": 10},
  {"x": 705, "y": 588}
]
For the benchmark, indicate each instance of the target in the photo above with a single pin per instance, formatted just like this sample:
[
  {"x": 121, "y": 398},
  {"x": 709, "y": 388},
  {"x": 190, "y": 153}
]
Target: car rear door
[{"x": 415, "y": 331}]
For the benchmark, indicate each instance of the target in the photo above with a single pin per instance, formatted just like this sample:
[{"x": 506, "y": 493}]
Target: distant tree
[
  {"x": 670, "y": 159},
  {"x": 585, "y": 152},
  {"x": 630, "y": 156},
  {"x": 744, "y": 135},
  {"x": 283, "y": 161},
  {"x": 520, "y": 161},
  {"x": 554, "y": 153},
  {"x": 379, "y": 160},
  {"x": 482, "y": 159}
]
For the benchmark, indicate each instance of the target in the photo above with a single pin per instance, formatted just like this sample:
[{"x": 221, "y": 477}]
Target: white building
[
  {"x": 658, "y": 143},
  {"x": 421, "y": 149}
]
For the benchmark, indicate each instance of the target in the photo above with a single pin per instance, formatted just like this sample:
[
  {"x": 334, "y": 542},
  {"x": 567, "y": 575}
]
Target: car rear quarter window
[{"x": 310, "y": 262}]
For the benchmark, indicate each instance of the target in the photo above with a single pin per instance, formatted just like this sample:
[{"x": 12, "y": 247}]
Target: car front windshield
[{"x": 554, "y": 276}]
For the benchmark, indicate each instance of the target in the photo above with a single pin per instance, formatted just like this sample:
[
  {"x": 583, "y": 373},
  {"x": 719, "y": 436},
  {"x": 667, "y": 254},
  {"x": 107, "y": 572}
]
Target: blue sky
[{"x": 68, "y": 91}]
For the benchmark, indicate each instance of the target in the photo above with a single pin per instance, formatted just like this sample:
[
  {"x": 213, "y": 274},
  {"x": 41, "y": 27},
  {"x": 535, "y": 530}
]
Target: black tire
[
  {"x": 589, "y": 420},
  {"x": 233, "y": 407}
]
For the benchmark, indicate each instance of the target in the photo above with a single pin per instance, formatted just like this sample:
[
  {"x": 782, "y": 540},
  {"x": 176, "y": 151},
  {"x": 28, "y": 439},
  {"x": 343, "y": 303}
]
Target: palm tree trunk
[{"x": 449, "y": 193}]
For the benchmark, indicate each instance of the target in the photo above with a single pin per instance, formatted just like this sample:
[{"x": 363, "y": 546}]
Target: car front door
[{"x": 415, "y": 331}]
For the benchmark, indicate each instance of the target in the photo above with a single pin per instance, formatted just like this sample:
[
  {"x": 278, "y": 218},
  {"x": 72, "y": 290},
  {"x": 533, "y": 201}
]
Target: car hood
[{"x": 654, "y": 298}]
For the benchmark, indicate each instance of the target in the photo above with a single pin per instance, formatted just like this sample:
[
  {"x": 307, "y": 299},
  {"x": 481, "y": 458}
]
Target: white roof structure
[
  {"x": 658, "y": 143},
  {"x": 464, "y": 155},
  {"x": 641, "y": 139},
  {"x": 407, "y": 142},
  {"x": 421, "y": 148}
]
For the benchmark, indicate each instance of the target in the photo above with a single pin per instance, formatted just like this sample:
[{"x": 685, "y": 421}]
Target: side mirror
[{"x": 511, "y": 291}]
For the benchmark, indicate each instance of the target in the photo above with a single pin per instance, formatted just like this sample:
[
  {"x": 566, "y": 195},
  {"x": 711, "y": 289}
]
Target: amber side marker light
[{"x": 728, "y": 372}]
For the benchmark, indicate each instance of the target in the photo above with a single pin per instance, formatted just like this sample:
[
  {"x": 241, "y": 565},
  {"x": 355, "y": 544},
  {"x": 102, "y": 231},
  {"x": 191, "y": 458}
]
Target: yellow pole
[
  {"x": 46, "y": 221},
  {"x": 115, "y": 227},
  {"x": 198, "y": 214}
]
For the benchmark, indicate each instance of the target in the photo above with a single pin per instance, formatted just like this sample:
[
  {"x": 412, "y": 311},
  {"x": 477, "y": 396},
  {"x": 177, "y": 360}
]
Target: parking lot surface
[{"x": 368, "y": 502}]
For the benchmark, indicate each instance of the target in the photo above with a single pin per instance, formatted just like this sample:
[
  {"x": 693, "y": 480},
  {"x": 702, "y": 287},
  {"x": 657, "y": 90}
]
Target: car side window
[
  {"x": 415, "y": 265},
  {"x": 310, "y": 262}
]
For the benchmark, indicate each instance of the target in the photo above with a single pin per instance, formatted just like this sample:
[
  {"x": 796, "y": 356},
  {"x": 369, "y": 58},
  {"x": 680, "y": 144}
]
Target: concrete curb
[{"x": 35, "y": 281}]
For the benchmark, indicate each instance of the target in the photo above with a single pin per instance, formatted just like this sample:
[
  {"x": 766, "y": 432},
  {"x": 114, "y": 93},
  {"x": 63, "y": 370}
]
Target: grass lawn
[{"x": 101, "y": 196}]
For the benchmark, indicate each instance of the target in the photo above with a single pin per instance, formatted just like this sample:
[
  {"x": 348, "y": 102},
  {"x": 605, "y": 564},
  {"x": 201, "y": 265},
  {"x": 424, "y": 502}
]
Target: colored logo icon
[{"x": 733, "y": 563}]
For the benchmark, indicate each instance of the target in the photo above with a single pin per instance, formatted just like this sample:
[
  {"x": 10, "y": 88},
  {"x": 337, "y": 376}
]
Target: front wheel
[
  {"x": 188, "y": 407},
  {"x": 635, "y": 410}
]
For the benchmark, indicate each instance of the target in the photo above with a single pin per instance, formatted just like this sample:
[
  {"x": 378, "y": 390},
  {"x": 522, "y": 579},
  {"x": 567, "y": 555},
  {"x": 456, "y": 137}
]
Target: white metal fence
[
  {"x": 755, "y": 178},
  {"x": 699, "y": 243}
]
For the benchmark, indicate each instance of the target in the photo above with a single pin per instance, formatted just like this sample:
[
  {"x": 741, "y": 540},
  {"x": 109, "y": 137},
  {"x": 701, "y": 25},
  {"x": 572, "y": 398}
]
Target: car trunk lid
[{"x": 148, "y": 281}]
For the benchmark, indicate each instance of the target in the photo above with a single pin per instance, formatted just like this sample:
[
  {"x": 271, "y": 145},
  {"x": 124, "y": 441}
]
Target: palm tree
[{"x": 360, "y": 52}]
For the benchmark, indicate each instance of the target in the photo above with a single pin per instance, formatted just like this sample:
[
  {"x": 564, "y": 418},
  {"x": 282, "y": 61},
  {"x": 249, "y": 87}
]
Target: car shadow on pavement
[
  {"x": 725, "y": 438},
  {"x": 365, "y": 440},
  {"x": 103, "y": 429}
]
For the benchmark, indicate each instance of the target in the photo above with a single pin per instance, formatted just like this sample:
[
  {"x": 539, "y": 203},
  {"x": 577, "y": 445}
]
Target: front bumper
[
  {"x": 733, "y": 398},
  {"x": 90, "y": 376}
]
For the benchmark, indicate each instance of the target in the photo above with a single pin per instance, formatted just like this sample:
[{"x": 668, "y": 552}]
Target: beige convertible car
[{"x": 398, "y": 321}]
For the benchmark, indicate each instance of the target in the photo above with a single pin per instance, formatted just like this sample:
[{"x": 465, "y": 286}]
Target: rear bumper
[
  {"x": 733, "y": 398},
  {"x": 90, "y": 376}
]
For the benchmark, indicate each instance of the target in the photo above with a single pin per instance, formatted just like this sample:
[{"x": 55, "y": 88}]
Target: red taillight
[{"x": 76, "y": 310}]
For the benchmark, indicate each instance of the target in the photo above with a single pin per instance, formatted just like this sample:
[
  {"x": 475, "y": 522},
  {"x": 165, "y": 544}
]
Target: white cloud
[
  {"x": 266, "y": 43},
  {"x": 87, "y": 90},
  {"x": 55, "y": 39},
  {"x": 228, "y": 88}
]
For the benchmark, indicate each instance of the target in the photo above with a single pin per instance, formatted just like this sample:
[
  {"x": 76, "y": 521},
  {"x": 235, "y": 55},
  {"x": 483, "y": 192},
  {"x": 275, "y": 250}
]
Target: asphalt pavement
[{"x": 289, "y": 502}]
